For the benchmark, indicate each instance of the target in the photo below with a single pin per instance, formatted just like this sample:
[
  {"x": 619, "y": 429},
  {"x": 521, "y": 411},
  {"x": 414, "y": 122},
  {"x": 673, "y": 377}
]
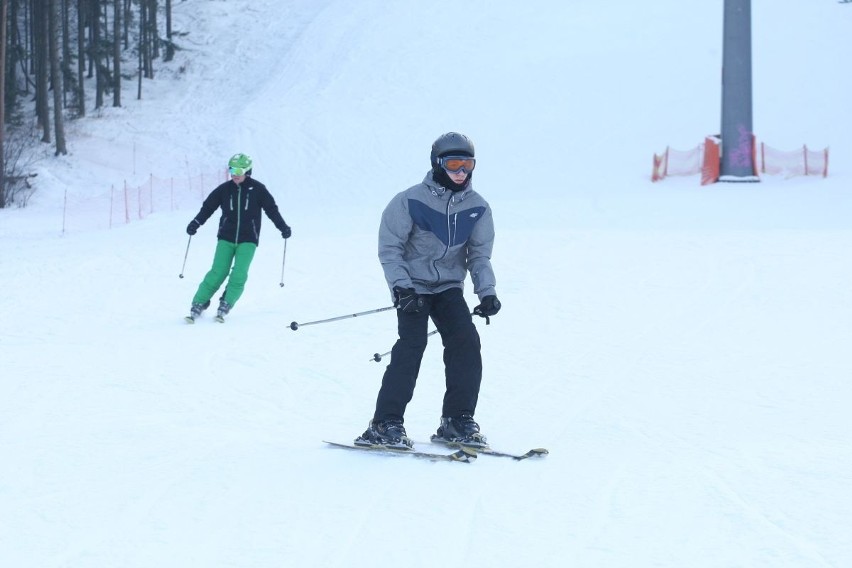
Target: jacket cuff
[{"x": 490, "y": 291}]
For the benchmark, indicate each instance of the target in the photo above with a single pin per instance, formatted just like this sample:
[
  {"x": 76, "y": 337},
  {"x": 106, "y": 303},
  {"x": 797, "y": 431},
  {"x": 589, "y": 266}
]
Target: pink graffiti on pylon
[{"x": 741, "y": 154}]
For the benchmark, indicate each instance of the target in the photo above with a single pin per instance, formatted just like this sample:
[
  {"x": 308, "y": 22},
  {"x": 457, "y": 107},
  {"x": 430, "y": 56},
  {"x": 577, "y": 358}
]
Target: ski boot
[
  {"x": 195, "y": 311},
  {"x": 224, "y": 308},
  {"x": 460, "y": 431},
  {"x": 385, "y": 433}
]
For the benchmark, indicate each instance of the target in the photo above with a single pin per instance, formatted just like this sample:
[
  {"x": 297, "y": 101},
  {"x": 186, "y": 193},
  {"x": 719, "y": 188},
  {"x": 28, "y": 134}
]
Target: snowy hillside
[{"x": 680, "y": 350}]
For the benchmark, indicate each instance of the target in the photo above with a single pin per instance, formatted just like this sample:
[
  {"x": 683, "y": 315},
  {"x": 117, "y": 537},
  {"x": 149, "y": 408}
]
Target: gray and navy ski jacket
[
  {"x": 430, "y": 237},
  {"x": 241, "y": 207}
]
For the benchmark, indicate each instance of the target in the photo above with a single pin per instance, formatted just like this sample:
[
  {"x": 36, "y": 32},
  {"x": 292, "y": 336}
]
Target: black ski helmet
[{"x": 449, "y": 144}]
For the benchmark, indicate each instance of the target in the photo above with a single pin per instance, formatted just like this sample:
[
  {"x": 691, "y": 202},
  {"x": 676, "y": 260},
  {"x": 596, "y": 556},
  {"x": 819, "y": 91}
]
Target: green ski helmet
[{"x": 239, "y": 165}]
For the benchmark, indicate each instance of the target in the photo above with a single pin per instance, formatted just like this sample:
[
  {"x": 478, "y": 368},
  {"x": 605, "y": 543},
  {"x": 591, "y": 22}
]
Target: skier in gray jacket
[{"x": 431, "y": 235}]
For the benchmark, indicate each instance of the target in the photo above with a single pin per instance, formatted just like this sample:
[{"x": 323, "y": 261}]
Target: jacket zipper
[
  {"x": 239, "y": 214},
  {"x": 451, "y": 223}
]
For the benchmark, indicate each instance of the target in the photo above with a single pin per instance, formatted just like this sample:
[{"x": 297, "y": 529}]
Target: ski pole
[
  {"x": 378, "y": 356},
  {"x": 294, "y": 326},
  {"x": 283, "y": 260},
  {"x": 184, "y": 257}
]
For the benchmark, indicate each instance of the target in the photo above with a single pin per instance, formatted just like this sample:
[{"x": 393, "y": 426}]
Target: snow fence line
[
  {"x": 121, "y": 205},
  {"x": 705, "y": 159}
]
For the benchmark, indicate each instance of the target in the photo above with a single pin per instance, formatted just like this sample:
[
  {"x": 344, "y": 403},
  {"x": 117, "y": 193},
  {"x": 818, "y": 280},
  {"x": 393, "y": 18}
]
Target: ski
[
  {"x": 191, "y": 319},
  {"x": 464, "y": 455},
  {"x": 488, "y": 451},
  {"x": 533, "y": 453}
]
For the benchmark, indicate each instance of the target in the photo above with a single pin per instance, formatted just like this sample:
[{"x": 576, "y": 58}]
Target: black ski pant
[{"x": 462, "y": 357}]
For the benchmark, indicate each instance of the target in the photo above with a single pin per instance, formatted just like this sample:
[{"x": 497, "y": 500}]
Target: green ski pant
[{"x": 227, "y": 254}]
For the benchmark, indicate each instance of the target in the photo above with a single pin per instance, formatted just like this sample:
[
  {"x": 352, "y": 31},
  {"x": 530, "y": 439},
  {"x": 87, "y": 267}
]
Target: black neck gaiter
[{"x": 440, "y": 176}]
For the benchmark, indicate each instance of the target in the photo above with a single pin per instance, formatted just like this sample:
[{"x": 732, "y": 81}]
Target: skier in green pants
[{"x": 241, "y": 200}]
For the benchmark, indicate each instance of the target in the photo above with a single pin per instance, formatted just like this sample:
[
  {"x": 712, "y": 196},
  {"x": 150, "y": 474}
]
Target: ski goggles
[
  {"x": 455, "y": 164},
  {"x": 238, "y": 171}
]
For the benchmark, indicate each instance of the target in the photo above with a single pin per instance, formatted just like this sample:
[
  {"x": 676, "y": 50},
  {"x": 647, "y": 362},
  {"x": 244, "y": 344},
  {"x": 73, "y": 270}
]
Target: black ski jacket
[{"x": 241, "y": 205}]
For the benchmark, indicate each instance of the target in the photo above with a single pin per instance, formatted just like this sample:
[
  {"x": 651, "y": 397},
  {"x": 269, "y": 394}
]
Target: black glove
[
  {"x": 489, "y": 306},
  {"x": 407, "y": 300},
  {"x": 192, "y": 227},
  {"x": 286, "y": 232}
]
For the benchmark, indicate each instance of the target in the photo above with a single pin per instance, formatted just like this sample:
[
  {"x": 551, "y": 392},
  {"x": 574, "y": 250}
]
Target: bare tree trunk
[
  {"x": 116, "y": 53},
  {"x": 126, "y": 35},
  {"x": 105, "y": 52},
  {"x": 100, "y": 85},
  {"x": 30, "y": 29},
  {"x": 154, "y": 33},
  {"x": 56, "y": 76},
  {"x": 4, "y": 22},
  {"x": 67, "y": 77},
  {"x": 170, "y": 47},
  {"x": 13, "y": 41},
  {"x": 145, "y": 37},
  {"x": 81, "y": 57},
  {"x": 141, "y": 49},
  {"x": 41, "y": 32},
  {"x": 88, "y": 6}
]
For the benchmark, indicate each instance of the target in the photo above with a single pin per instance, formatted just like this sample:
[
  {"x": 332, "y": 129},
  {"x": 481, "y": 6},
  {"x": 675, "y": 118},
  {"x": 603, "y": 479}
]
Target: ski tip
[
  {"x": 537, "y": 453},
  {"x": 189, "y": 319}
]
